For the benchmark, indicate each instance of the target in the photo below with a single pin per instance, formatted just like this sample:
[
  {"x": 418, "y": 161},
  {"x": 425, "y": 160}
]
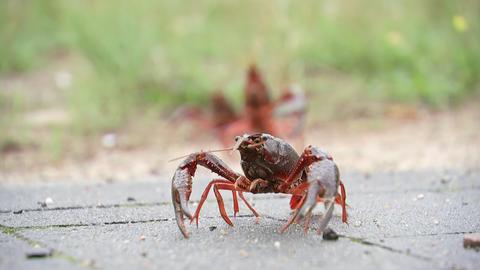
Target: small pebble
[
  {"x": 471, "y": 240},
  {"x": 223, "y": 232},
  {"x": 126, "y": 241},
  {"x": 243, "y": 253},
  {"x": 42, "y": 204},
  {"x": 330, "y": 234},
  {"x": 436, "y": 222},
  {"x": 445, "y": 179},
  {"x": 142, "y": 237},
  {"x": 39, "y": 253},
  {"x": 357, "y": 223},
  {"x": 130, "y": 199},
  {"x": 420, "y": 196},
  {"x": 144, "y": 254},
  {"x": 88, "y": 263},
  {"x": 276, "y": 244},
  {"x": 212, "y": 228},
  {"x": 18, "y": 212},
  {"x": 48, "y": 200}
]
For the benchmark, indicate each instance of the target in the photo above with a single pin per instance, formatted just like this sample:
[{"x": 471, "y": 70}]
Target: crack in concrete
[
  {"x": 93, "y": 224},
  {"x": 432, "y": 190},
  {"x": 118, "y": 205},
  {"x": 428, "y": 234},
  {"x": 276, "y": 196},
  {"x": 78, "y": 207},
  {"x": 365, "y": 242},
  {"x": 14, "y": 231}
]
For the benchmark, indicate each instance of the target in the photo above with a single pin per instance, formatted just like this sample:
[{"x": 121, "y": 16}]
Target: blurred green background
[{"x": 124, "y": 59}]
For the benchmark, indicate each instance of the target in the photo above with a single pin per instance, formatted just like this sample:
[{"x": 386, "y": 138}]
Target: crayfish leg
[
  {"x": 294, "y": 216},
  {"x": 221, "y": 206},
  {"x": 343, "y": 203},
  {"x": 295, "y": 201},
  {"x": 196, "y": 215}
]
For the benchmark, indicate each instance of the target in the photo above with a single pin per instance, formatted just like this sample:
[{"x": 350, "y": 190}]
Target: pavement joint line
[
  {"x": 428, "y": 234},
  {"x": 365, "y": 242},
  {"x": 73, "y": 225},
  {"x": 117, "y": 205},
  {"x": 432, "y": 190},
  {"x": 14, "y": 232},
  {"x": 172, "y": 219},
  {"x": 276, "y": 196},
  {"x": 79, "y": 207},
  {"x": 140, "y": 204}
]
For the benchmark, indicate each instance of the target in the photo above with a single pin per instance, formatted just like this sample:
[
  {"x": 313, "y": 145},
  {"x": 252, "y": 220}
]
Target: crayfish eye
[
  {"x": 237, "y": 138},
  {"x": 257, "y": 140}
]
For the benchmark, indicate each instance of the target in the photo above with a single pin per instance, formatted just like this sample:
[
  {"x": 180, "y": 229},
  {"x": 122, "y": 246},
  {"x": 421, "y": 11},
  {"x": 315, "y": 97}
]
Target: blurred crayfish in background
[{"x": 282, "y": 117}]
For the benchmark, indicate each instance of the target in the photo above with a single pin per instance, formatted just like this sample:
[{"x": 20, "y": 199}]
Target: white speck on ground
[{"x": 48, "y": 200}]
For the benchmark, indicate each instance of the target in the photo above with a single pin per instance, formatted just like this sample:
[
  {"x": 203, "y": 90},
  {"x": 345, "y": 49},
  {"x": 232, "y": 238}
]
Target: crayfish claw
[
  {"x": 181, "y": 188},
  {"x": 179, "y": 213},
  {"x": 326, "y": 218}
]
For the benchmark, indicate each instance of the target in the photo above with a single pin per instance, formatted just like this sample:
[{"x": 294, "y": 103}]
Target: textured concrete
[{"x": 407, "y": 220}]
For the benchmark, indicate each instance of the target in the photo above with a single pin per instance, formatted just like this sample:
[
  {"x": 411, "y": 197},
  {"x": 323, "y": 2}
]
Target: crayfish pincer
[{"x": 270, "y": 165}]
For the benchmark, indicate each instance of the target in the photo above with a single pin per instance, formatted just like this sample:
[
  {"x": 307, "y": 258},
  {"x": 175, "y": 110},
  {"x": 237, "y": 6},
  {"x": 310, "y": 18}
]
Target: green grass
[
  {"x": 154, "y": 55},
  {"x": 13, "y": 132}
]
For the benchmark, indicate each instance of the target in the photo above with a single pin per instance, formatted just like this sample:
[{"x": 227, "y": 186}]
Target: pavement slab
[
  {"x": 157, "y": 189},
  {"x": 406, "y": 220},
  {"x": 245, "y": 245},
  {"x": 13, "y": 256}
]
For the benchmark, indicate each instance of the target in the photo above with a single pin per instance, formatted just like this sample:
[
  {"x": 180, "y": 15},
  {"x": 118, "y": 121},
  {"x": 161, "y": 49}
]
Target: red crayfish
[{"x": 270, "y": 165}]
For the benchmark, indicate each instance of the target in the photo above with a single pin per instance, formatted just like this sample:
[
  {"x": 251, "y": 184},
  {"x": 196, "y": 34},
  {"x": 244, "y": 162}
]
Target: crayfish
[
  {"x": 270, "y": 165},
  {"x": 283, "y": 117}
]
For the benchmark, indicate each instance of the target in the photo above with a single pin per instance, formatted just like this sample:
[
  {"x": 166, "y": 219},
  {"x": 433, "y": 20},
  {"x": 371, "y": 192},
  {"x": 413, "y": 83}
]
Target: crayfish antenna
[{"x": 209, "y": 151}]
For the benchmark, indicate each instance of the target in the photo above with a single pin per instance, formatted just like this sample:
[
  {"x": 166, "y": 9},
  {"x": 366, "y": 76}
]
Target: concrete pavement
[{"x": 402, "y": 220}]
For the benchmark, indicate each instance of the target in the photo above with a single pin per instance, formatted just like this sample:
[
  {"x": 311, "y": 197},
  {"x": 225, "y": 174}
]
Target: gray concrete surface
[{"x": 407, "y": 220}]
